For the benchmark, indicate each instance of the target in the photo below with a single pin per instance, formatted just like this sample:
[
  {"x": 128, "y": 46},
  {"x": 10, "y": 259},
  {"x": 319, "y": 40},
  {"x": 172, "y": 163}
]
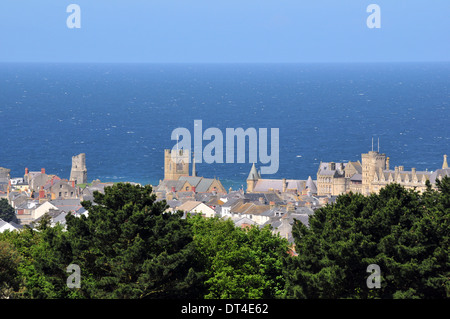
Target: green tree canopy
[
  {"x": 7, "y": 213},
  {"x": 402, "y": 231},
  {"x": 239, "y": 263},
  {"x": 129, "y": 247}
]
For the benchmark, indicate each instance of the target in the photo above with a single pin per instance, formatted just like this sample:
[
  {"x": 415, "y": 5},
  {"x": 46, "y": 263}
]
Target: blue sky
[{"x": 224, "y": 31}]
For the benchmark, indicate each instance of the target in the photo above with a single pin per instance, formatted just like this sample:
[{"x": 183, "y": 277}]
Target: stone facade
[
  {"x": 176, "y": 164},
  {"x": 79, "y": 170},
  {"x": 371, "y": 175}
]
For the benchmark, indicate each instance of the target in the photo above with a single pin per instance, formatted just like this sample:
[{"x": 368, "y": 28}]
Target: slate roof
[
  {"x": 204, "y": 185},
  {"x": 356, "y": 165},
  {"x": 325, "y": 169},
  {"x": 253, "y": 175},
  {"x": 439, "y": 172},
  {"x": 193, "y": 180},
  {"x": 266, "y": 185},
  {"x": 310, "y": 185},
  {"x": 67, "y": 205},
  {"x": 268, "y": 197}
]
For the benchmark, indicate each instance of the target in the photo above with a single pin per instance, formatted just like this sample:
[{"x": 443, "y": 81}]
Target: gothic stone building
[
  {"x": 372, "y": 174},
  {"x": 177, "y": 177}
]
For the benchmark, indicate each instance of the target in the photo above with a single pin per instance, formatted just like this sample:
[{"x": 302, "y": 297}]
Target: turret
[{"x": 252, "y": 178}]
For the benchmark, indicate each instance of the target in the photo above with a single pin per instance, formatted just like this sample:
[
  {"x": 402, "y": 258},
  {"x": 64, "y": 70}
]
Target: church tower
[{"x": 176, "y": 164}]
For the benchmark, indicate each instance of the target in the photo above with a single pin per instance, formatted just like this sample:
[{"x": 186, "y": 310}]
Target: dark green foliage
[
  {"x": 402, "y": 231},
  {"x": 7, "y": 213},
  {"x": 129, "y": 248},
  {"x": 9, "y": 274}
]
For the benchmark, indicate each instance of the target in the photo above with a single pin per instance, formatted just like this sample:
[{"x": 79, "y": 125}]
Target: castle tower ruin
[{"x": 79, "y": 171}]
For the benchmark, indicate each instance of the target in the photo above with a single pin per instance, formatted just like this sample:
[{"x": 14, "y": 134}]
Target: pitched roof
[
  {"x": 189, "y": 205},
  {"x": 327, "y": 169},
  {"x": 204, "y": 185},
  {"x": 67, "y": 205},
  {"x": 254, "y": 175},
  {"x": 6, "y": 226},
  {"x": 310, "y": 185},
  {"x": 267, "y": 185},
  {"x": 193, "y": 180},
  {"x": 442, "y": 172}
]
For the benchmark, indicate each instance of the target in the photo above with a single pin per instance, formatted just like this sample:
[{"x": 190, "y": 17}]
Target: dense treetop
[{"x": 129, "y": 246}]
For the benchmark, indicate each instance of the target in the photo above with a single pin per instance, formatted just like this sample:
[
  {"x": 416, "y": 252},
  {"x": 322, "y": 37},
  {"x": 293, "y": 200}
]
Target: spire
[
  {"x": 311, "y": 186},
  {"x": 445, "y": 165},
  {"x": 378, "y": 145},
  {"x": 194, "y": 173},
  {"x": 372, "y": 144},
  {"x": 253, "y": 174}
]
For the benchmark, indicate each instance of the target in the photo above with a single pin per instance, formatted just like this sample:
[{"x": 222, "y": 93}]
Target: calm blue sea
[{"x": 122, "y": 115}]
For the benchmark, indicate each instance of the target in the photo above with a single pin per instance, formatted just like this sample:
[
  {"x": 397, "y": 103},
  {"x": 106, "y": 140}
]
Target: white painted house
[
  {"x": 198, "y": 208},
  {"x": 6, "y": 226}
]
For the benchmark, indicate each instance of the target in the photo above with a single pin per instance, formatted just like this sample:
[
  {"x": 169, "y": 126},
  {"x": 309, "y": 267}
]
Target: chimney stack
[
  {"x": 387, "y": 163},
  {"x": 73, "y": 184},
  {"x": 42, "y": 170},
  {"x": 193, "y": 189},
  {"x": 26, "y": 170},
  {"x": 173, "y": 189},
  {"x": 41, "y": 193}
]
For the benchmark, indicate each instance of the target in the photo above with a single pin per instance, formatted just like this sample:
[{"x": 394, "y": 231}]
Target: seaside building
[
  {"x": 256, "y": 184},
  {"x": 372, "y": 174},
  {"x": 178, "y": 180}
]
